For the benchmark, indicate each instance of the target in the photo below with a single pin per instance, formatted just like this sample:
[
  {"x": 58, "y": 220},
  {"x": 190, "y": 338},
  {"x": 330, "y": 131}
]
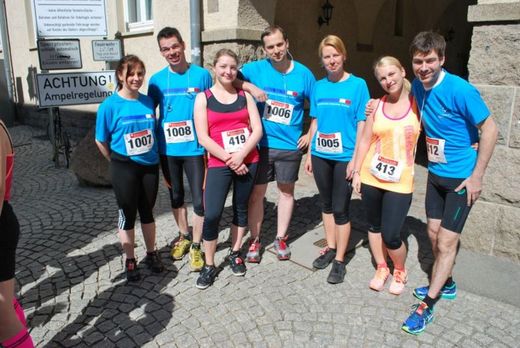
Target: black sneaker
[
  {"x": 326, "y": 257},
  {"x": 206, "y": 277},
  {"x": 238, "y": 267},
  {"x": 337, "y": 272},
  {"x": 132, "y": 273},
  {"x": 153, "y": 261}
]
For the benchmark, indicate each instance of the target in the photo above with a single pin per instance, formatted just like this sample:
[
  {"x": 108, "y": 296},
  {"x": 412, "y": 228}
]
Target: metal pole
[
  {"x": 9, "y": 113},
  {"x": 195, "y": 31}
]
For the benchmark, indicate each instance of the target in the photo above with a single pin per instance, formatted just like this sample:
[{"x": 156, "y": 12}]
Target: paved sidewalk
[{"x": 71, "y": 282}]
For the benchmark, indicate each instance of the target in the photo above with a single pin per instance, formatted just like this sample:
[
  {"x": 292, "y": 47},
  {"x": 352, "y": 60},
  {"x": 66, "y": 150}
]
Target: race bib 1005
[{"x": 329, "y": 143}]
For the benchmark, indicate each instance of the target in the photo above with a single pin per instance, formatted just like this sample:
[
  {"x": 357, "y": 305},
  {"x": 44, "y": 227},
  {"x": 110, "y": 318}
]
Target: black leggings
[
  {"x": 135, "y": 186},
  {"x": 194, "y": 167},
  {"x": 9, "y": 234},
  {"x": 218, "y": 181},
  {"x": 386, "y": 212},
  {"x": 335, "y": 190}
]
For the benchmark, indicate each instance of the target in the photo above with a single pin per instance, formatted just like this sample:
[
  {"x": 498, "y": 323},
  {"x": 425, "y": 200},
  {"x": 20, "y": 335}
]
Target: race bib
[
  {"x": 278, "y": 112},
  {"x": 435, "y": 148},
  {"x": 386, "y": 169},
  {"x": 179, "y": 132},
  {"x": 329, "y": 143},
  {"x": 234, "y": 140},
  {"x": 138, "y": 143}
]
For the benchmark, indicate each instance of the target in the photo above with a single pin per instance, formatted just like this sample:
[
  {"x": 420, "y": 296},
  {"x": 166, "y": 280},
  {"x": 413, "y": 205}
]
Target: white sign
[
  {"x": 106, "y": 50},
  {"x": 75, "y": 88},
  {"x": 71, "y": 18},
  {"x": 59, "y": 54}
]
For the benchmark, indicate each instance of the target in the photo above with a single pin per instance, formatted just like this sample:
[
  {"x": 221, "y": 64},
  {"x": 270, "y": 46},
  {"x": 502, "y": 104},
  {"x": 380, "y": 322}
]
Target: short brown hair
[
  {"x": 427, "y": 41},
  {"x": 272, "y": 29}
]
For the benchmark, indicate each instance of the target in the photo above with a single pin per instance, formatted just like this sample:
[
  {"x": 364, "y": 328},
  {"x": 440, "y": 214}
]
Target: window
[{"x": 139, "y": 14}]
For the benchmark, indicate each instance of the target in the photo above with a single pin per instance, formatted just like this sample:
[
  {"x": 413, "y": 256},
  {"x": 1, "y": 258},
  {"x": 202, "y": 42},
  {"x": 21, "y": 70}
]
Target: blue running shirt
[
  {"x": 282, "y": 113},
  {"x": 338, "y": 107},
  {"x": 450, "y": 114},
  {"x": 128, "y": 126},
  {"x": 175, "y": 94}
]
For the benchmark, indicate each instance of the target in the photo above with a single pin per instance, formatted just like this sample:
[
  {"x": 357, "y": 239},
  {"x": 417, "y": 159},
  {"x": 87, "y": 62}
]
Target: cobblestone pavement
[{"x": 71, "y": 283}]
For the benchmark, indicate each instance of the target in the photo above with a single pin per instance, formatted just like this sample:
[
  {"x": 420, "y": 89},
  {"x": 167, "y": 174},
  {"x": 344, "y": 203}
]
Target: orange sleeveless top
[{"x": 389, "y": 163}]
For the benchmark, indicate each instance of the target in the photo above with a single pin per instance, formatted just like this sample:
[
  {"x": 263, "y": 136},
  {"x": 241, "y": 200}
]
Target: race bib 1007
[{"x": 138, "y": 143}]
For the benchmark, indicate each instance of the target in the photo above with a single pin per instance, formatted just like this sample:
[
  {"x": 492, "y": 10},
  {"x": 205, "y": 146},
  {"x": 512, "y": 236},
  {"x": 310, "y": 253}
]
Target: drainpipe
[
  {"x": 9, "y": 112},
  {"x": 195, "y": 16}
]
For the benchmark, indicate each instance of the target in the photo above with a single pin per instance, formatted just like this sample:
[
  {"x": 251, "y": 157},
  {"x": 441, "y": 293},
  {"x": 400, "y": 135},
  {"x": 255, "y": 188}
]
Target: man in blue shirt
[
  {"x": 280, "y": 85},
  {"x": 174, "y": 89},
  {"x": 453, "y": 113}
]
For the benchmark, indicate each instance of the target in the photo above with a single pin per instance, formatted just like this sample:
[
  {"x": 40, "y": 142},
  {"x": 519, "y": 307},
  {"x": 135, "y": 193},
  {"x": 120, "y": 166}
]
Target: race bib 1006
[
  {"x": 234, "y": 140},
  {"x": 178, "y": 132},
  {"x": 138, "y": 143},
  {"x": 435, "y": 148},
  {"x": 386, "y": 169},
  {"x": 278, "y": 112},
  {"x": 329, "y": 143}
]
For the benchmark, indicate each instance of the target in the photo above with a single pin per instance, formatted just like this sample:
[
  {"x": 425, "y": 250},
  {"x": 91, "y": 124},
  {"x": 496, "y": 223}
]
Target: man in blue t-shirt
[
  {"x": 174, "y": 89},
  {"x": 453, "y": 113},
  {"x": 280, "y": 85}
]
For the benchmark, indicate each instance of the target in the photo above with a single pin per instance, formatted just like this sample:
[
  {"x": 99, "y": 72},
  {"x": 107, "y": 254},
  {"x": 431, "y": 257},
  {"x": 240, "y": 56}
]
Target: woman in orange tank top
[{"x": 384, "y": 170}]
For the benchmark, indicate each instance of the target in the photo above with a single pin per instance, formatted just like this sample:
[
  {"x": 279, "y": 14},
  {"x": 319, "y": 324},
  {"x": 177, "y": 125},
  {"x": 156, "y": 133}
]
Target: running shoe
[
  {"x": 378, "y": 282},
  {"x": 132, "y": 273},
  {"x": 281, "y": 248},
  {"x": 206, "y": 277},
  {"x": 253, "y": 253},
  {"x": 420, "y": 316},
  {"x": 399, "y": 280},
  {"x": 337, "y": 272},
  {"x": 180, "y": 248},
  {"x": 447, "y": 292},
  {"x": 326, "y": 257},
  {"x": 153, "y": 262},
  {"x": 238, "y": 267},
  {"x": 196, "y": 258}
]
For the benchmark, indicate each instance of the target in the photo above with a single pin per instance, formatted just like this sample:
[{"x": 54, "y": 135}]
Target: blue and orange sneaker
[
  {"x": 420, "y": 316},
  {"x": 447, "y": 292}
]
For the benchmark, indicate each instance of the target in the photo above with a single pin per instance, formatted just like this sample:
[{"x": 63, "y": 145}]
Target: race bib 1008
[
  {"x": 278, "y": 112},
  {"x": 138, "y": 143},
  {"x": 178, "y": 132}
]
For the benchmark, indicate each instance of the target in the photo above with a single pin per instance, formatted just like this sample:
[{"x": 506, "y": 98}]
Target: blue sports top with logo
[
  {"x": 175, "y": 94},
  {"x": 128, "y": 126},
  {"x": 282, "y": 113},
  {"x": 450, "y": 113},
  {"x": 338, "y": 107}
]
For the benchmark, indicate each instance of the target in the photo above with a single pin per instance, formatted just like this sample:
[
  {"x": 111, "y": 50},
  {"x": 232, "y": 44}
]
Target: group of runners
[{"x": 245, "y": 129}]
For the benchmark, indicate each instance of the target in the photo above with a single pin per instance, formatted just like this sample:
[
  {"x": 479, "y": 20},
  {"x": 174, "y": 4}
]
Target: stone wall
[{"x": 493, "y": 226}]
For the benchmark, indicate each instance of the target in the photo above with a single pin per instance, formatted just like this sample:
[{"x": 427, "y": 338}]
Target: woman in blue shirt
[{"x": 125, "y": 135}]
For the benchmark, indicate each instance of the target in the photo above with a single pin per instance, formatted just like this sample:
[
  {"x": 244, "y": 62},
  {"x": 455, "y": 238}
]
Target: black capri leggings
[
  {"x": 386, "y": 212},
  {"x": 194, "y": 167},
  {"x": 218, "y": 181},
  {"x": 335, "y": 190},
  {"x": 135, "y": 186},
  {"x": 9, "y": 234}
]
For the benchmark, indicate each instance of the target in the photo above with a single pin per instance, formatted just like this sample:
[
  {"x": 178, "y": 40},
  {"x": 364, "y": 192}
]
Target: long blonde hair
[{"x": 389, "y": 60}]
